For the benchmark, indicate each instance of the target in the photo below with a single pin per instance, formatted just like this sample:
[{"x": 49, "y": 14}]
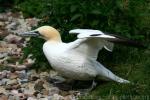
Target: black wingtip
[
  {"x": 127, "y": 42},
  {"x": 95, "y": 34}
]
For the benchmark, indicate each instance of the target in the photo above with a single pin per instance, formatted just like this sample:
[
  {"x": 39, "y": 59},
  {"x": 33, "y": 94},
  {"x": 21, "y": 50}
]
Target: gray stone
[
  {"x": 3, "y": 17},
  {"x": 32, "y": 98},
  {"x": 4, "y": 81},
  {"x": 2, "y": 90},
  {"x": 44, "y": 98},
  {"x": 13, "y": 38},
  {"x": 39, "y": 86},
  {"x": 28, "y": 91},
  {"x": 57, "y": 97},
  {"x": 12, "y": 82},
  {"x": 22, "y": 81},
  {"x": 53, "y": 90},
  {"x": 10, "y": 19},
  {"x": 11, "y": 97},
  {"x": 2, "y": 24},
  {"x": 44, "y": 75},
  {"x": 39, "y": 96},
  {"x": 3, "y": 74},
  {"x": 2, "y": 55},
  {"x": 22, "y": 74},
  {"x": 13, "y": 75}
]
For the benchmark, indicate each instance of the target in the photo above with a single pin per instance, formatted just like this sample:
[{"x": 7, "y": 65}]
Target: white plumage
[{"x": 77, "y": 60}]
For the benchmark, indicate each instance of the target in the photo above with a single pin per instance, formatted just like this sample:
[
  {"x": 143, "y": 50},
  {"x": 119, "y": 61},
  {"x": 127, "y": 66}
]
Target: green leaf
[
  {"x": 73, "y": 8},
  {"x": 96, "y": 12},
  {"x": 75, "y": 17}
]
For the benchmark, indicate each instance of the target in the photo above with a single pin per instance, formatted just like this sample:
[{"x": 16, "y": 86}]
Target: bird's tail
[
  {"x": 120, "y": 80},
  {"x": 104, "y": 73}
]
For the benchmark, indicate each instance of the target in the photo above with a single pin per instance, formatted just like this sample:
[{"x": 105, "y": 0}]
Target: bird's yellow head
[{"x": 47, "y": 32}]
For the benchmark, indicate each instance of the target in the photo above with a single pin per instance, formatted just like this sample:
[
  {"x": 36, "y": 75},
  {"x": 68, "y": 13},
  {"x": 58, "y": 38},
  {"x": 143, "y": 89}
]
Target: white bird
[{"x": 77, "y": 60}]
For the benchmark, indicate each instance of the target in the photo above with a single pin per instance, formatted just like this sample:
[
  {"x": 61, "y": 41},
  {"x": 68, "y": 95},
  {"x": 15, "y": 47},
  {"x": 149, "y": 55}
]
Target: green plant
[{"x": 129, "y": 18}]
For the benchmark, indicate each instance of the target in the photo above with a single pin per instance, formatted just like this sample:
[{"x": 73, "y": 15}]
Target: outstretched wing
[{"x": 89, "y": 42}]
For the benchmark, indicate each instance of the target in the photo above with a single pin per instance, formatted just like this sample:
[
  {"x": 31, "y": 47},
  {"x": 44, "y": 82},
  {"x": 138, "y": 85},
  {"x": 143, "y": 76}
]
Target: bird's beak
[{"x": 30, "y": 33}]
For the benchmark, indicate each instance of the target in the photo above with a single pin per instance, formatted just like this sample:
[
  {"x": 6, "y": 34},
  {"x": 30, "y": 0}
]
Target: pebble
[
  {"x": 12, "y": 82},
  {"x": 57, "y": 97},
  {"x": 22, "y": 74},
  {"x": 2, "y": 55},
  {"x": 31, "y": 98},
  {"x": 2, "y": 24},
  {"x": 16, "y": 83},
  {"x": 39, "y": 86},
  {"x": 2, "y": 90},
  {"x": 53, "y": 90},
  {"x": 13, "y": 76},
  {"x": 13, "y": 39},
  {"x": 22, "y": 89},
  {"x": 4, "y": 81},
  {"x": 3, "y": 17}
]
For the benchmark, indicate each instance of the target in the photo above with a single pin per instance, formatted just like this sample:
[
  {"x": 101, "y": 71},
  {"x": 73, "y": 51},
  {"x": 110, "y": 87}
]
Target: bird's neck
[{"x": 55, "y": 40}]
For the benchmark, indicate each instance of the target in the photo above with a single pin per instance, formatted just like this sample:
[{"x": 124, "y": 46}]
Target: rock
[
  {"x": 45, "y": 92},
  {"x": 39, "y": 86},
  {"x": 8, "y": 87},
  {"x": 13, "y": 97},
  {"x": 4, "y": 81},
  {"x": 43, "y": 98},
  {"x": 24, "y": 85},
  {"x": 29, "y": 62},
  {"x": 22, "y": 81},
  {"x": 22, "y": 27},
  {"x": 57, "y": 97},
  {"x": 2, "y": 55},
  {"x": 3, "y": 32},
  {"x": 2, "y": 90},
  {"x": 3, "y": 97},
  {"x": 28, "y": 92},
  {"x": 53, "y": 73},
  {"x": 12, "y": 82},
  {"x": 22, "y": 74},
  {"x": 6, "y": 46},
  {"x": 31, "y": 72},
  {"x": 13, "y": 76},
  {"x": 32, "y": 22},
  {"x": 39, "y": 95},
  {"x": 64, "y": 93},
  {"x": 2, "y": 24},
  {"x": 34, "y": 78},
  {"x": 10, "y": 19},
  {"x": 44, "y": 75},
  {"x": 17, "y": 86},
  {"x": 1, "y": 83},
  {"x": 13, "y": 39},
  {"x": 29, "y": 89},
  {"x": 3, "y": 75},
  {"x": 3, "y": 17},
  {"x": 32, "y": 98},
  {"x": 14, "y": 92},
  {"x": 13, "y": 25},
  {"x": 70, "y": 97},
  {"x": 46, "y": 85},
  {"x": 53, "y": 90}
]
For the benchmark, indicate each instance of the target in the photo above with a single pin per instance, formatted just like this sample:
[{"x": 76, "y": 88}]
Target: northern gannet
[{"x": 77, "y": 60}]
